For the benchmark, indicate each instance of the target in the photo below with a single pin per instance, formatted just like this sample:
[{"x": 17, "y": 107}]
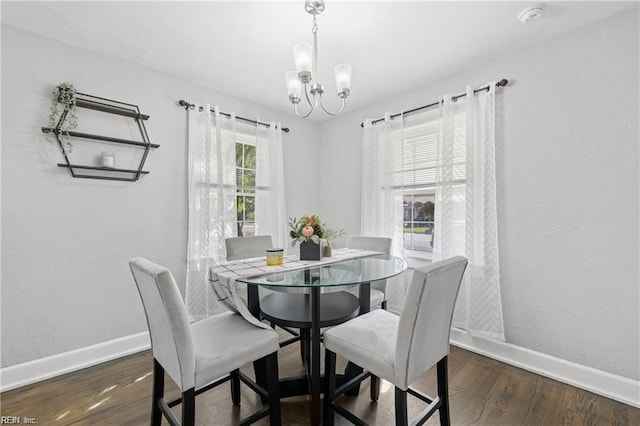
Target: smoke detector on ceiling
[{"x": 530, "y": 15}]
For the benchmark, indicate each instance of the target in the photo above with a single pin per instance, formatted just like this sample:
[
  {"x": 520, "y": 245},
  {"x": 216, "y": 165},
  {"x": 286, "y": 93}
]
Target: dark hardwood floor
[{"x": 482, "y": 391}]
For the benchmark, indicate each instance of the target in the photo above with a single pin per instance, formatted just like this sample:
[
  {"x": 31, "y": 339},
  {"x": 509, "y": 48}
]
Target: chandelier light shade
[
  {"x": 343, "y": 79},
  {"x": 302, "y": 57},
  {"x": 293, "y": 85},
  {"x": 304, "y": 80}
]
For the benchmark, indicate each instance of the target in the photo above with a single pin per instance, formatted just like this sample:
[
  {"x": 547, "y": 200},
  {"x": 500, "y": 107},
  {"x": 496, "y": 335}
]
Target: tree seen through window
[{"x": 418, "y": 221}]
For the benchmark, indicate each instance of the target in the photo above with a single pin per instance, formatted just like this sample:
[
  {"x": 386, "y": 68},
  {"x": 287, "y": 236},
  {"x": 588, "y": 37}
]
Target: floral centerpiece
[
  {"x": 307, "y": 228},
  {"x": 313, "y": 235}
]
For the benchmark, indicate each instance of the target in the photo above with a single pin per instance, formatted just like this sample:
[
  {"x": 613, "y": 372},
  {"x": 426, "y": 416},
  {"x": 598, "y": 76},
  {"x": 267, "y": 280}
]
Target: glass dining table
[{"x": 309, "y": 299}]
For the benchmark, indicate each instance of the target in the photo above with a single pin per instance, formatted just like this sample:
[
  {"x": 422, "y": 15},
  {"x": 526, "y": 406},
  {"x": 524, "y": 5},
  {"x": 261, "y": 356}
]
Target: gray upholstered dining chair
[
  {"x": 204, "y": 354},
  {"x": 247, "y": 247},
  {"x": 383, "y": 245},
  {"x": 402, "y": 348},
  {"x": 239, "y": 248}
]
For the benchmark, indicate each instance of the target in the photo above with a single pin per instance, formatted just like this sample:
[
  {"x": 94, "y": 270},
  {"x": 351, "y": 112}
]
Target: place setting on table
[{"x": 308, "y": 291}]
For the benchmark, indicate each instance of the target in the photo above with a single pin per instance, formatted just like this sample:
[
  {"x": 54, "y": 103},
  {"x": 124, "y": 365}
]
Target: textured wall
[
  {"x": 66, "y": 242},
  {"x": 567, "y": 189}
]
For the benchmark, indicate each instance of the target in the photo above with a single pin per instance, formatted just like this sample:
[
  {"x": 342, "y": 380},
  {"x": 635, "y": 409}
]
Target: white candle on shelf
[{"x": 108, "y": 160}]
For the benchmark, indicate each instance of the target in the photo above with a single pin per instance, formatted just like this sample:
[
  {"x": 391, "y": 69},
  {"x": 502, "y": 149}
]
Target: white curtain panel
[
  {"x": 382, "y": 193},
  {"x": 212, "y": 196},
  {"x": 212, "y": 204},
  {"x": 271, "y": 215},
  {"x": 465, "y": 215}
]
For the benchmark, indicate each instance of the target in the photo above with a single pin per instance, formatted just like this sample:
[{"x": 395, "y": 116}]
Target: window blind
[{"x": 417, "y": 145}]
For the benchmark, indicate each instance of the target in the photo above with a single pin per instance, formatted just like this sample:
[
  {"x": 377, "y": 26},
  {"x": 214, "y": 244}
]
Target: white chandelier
[{"x": 307, "y": 70}]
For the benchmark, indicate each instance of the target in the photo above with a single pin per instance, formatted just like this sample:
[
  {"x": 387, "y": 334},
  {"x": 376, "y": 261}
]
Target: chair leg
[
  {"x": 374, "y": 388},
  {"x": 235, "y": 387},
  {"x": 443, "y": 392},
  {"x": 401, "y": 407},
  {"x": 260, "y": 370},
  {"x": 329, "y": 386},
  {"x": 157, "y": 393},
  {"x": 189, "y": 407},
  {"x": 273, "y": 387}
]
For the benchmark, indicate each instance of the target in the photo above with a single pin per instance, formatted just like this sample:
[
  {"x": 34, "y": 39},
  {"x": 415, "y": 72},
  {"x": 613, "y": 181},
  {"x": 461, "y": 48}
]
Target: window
[
  {"x": 416, "y": 175},
  {"x": 246, "y": 183},
  {"x": 418, "y": 221}
]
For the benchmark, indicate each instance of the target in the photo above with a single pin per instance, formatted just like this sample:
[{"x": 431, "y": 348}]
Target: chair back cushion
[
  {"x": 248, "y": 247},
  {"x": 171, "y": 340},
  {"x": 381, "y": 244},
  {"x": 425, "y": 320}
]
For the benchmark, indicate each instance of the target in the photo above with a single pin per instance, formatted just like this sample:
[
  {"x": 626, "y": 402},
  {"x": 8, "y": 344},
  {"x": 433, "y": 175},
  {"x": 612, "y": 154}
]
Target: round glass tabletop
[{"x": 343, "y": 272}]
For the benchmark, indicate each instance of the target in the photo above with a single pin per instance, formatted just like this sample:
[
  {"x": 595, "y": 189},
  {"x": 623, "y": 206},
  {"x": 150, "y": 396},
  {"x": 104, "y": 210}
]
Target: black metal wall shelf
[
  {"x": 106, "y": 169},
  {"x": 104, "y": 107},
  {"x": 102, "y": 138},
  {"x": 112, "y": 107}
]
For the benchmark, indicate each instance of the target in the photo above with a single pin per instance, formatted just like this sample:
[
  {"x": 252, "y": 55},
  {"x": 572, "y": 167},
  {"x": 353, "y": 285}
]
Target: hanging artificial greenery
[{"x": 62, "y": 116}]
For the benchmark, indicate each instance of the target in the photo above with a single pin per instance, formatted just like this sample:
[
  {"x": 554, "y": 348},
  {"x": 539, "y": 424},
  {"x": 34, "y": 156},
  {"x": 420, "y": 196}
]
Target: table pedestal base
[{"x": 309, "y": 313}]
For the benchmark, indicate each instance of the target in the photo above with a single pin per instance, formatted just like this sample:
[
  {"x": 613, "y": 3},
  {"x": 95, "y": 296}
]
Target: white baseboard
[
  {"x": 599, "y": 382},
  {"x": 34, "y": 371}
]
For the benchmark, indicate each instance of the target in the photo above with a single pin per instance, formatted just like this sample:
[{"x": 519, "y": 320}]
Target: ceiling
[{"x": 244, "y": 48}]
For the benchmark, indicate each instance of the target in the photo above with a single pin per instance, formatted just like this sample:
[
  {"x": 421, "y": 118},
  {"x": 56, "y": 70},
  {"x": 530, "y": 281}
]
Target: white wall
[
  {"x": 567, "y": 189},
  {"x": 66, "y": 242}
]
